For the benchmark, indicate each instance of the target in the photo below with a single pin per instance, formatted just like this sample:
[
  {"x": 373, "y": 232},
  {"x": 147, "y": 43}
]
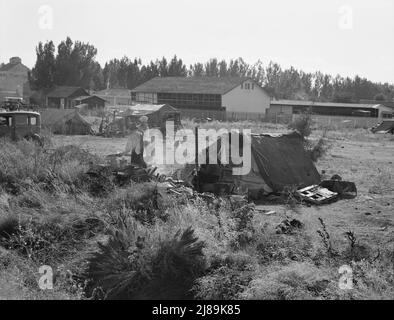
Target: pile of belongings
[{"x": 328, "y": 191}]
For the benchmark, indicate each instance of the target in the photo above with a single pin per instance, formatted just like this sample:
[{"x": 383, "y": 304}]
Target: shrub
[
  {"x": 318, "y": 150},
  {"x": 47, "y": 238},
  {"x": 25, "y": 163},
  {"x": 303, "y": 125},
  {"x": 144, "y": 201},
  {"x": 8, "y": 227},
  {"x": 136, "y": 264},
  {"x": 223, "y": 283},
  {"x": 297, "y": 281}
]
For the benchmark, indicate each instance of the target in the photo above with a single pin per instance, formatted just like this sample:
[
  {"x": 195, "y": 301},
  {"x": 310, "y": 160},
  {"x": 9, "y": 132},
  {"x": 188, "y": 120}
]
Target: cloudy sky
[{"x": 346, "y": 37}]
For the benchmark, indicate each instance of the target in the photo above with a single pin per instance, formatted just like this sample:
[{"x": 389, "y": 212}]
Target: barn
[{"x": 235, "y": 94}]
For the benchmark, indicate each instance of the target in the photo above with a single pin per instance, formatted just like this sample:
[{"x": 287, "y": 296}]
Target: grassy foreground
[{"x": 139, "y": 242}]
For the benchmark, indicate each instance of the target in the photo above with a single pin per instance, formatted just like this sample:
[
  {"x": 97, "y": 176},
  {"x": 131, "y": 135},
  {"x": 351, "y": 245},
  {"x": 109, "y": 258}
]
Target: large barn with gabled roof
[{"x": 234, "y": 94}]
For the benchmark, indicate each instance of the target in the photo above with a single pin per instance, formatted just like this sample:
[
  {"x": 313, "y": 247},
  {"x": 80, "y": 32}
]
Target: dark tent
[
  {"x": 67, "y": 121},
  {"x": 77, "y": 125},
  {"x": 277, "y": 162}
]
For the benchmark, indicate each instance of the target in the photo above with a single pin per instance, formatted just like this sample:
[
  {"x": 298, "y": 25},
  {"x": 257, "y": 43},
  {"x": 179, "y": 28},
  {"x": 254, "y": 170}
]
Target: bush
[
  {"x": 303, "y": 125},
  {"x": 318, "y": 150},
  {"x": 144, "y": 201},
  {"x": 25, "y": 163},
  {"x": 136, "y": 264},
  {"x": 297, "y": 281}
]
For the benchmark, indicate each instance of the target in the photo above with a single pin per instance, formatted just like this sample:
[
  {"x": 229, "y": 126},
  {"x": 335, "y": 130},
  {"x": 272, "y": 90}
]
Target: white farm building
[{"x": 231, "y": 94}]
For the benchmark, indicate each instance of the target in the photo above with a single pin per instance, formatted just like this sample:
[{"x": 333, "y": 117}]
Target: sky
[{"x": 346, "y": 37}]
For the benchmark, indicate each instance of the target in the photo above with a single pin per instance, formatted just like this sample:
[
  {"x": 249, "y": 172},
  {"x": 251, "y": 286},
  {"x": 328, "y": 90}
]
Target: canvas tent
[
  {"x": 67, "y": 121},
  {"x": 77, "y": 125},
  {"x": 277, "y": 162},
  {"x": 384, "y": 127}
]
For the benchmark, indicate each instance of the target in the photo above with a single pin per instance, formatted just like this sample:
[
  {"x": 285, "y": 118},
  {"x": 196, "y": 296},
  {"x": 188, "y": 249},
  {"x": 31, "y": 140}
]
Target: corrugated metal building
[{"x": 289, "y": 107}]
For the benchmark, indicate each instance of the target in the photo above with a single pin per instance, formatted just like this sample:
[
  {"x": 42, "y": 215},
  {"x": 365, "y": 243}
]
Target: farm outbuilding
[
  {"x": 289, "y": 107},
  {"x": 63, "y": 97},
  {"x": 13, "y": 79},
  {"x": 91, "y": 102}
]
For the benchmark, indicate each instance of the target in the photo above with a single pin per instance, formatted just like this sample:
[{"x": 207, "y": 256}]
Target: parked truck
[{"x": 18, "y": 125}]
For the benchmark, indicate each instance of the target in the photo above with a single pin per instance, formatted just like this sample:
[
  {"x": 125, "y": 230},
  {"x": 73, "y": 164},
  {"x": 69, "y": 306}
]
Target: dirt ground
[{"x": 357, "y": 156}]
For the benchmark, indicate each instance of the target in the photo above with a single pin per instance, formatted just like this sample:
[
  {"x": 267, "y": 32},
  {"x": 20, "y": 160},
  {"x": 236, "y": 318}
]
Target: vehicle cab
[{"x": 20, "y": 124}]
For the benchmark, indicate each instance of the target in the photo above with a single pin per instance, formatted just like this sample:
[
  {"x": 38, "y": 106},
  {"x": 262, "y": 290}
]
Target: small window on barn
[{"x": 33, "y": 121}]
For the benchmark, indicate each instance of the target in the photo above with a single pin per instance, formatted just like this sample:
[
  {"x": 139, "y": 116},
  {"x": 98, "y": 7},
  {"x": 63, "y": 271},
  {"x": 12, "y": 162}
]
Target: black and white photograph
[{"x": 204, "y": 156}]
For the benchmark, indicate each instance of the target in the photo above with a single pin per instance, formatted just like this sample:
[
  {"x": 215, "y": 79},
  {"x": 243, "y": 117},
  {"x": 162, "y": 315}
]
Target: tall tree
[
  {"x": 75, "y": 64},
  {"x": 177, "y": 68},
  {"x": 42, "y": 75}
]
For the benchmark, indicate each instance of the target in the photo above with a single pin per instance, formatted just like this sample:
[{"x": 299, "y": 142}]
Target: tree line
[{"x": 73, "y": 63}]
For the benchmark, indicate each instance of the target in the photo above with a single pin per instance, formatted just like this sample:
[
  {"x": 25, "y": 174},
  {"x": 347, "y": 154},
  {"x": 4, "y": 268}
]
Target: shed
[
  {"x": 62, "y": 97},
  {"x": 91, "y": 102}
]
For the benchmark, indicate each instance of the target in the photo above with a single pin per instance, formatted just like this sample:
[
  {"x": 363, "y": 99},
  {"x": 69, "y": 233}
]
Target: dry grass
[{"x": 243, "y": 255}]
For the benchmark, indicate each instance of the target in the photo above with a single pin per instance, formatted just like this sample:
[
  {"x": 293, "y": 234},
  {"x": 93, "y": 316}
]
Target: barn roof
[
  {"x": 64, "y": 92},
  {"x": 324, "y": 104},
  {"x": 114, "y": 92},
  {"x": 9, "y": 66},
  {"x": 191, "y": 85},
  {"x": 82, "y": 98}
]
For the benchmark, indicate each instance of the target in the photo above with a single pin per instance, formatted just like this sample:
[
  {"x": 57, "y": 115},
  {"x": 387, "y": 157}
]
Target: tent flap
[{"x": 282, "y": 161}]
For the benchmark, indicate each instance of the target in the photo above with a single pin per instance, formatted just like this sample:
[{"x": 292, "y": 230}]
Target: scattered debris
[
  {"x": 288, "y": 226},
  {"x": 344, "y": 189},
  {"x": 328, "y": 191},
  {"x": 386, "y": 126},
  {"x": 317, "y": 194},
  {"x": 265, "y": 211},
  {"x": 336, "y": 177}
]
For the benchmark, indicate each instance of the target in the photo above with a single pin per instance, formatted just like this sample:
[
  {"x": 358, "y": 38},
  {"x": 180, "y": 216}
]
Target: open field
[
  {"x": 248, "y": 260},
  {"x": 356, "y": 155}
]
